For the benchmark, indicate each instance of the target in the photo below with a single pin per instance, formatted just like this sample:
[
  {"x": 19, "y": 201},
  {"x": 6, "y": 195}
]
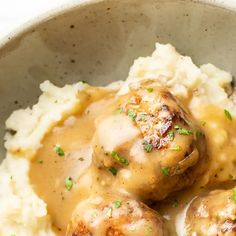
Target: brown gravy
[{"x": 49, "y": 170}]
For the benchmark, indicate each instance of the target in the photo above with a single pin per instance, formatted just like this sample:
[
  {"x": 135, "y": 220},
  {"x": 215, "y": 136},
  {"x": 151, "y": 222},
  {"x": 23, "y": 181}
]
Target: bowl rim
[
  {"x": 32, "y": 23},
  {"x": 43, "y": 17}
]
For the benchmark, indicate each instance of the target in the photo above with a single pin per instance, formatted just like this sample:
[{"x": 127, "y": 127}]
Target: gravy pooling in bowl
[
  {"x": 127, "y": 159},
  {"x": 67, "y": 152}
]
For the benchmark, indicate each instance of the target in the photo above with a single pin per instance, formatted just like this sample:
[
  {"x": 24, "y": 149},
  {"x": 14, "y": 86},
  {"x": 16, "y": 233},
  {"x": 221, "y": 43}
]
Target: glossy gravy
[{"x": 49, "y": 170}]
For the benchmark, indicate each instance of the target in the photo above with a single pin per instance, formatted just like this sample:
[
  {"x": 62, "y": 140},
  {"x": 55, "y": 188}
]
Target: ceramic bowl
[{"x": 97, "y": 41}]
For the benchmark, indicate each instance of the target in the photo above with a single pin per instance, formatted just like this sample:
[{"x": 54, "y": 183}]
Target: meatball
[
  {"x": 152, "y": 143},
  {"x": 114, "y": 215},
  {"x": 212, "y": 214}
]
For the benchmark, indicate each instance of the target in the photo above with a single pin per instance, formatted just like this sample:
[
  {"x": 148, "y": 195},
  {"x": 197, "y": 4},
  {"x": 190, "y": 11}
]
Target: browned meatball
[
  {"x": 114, "y": 215},
  {"x": 213, "y": 214},
  {"x": 152, "y": 145}
]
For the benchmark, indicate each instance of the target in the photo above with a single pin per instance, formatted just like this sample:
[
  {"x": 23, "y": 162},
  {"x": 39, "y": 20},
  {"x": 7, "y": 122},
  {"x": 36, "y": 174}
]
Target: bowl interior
[{"x": 98, "y": 42}]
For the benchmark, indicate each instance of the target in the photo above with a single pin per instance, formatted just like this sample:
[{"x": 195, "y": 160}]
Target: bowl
[{"x": 97, "y": 41}]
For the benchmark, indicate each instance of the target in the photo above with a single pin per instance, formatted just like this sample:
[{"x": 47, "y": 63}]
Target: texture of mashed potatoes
[
  {"x": 22, "y": 212},
  {"x": 204, "y": 85}
]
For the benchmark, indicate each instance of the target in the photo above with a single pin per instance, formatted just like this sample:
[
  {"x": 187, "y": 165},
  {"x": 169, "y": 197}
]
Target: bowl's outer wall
[{"x": 98, "y": 43}]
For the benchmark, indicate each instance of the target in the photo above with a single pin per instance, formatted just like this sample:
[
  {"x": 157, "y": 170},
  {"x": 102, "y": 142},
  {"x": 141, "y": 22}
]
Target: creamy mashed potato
[
  {"x": 204, "y": 85},
  {"x": 22, "y": 212}
]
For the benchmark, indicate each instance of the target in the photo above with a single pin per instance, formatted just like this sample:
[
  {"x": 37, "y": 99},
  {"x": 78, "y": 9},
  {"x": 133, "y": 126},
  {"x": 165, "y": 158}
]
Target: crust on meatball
[
  {"x": 212, "y": 214},
  {"x": 106, "y": 216},
  {"x": 155, "y": 144}
]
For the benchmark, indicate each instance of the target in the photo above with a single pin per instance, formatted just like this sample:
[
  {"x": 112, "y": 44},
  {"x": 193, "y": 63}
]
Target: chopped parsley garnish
[
  {"x": 40, "y": 161},
  {"x": 148, "y": 147},
  {"x": 228, "y": 114},
  {"x": 149, "y": 229},
  {"x": 81, "y": 159},
  {"x": 109, "y": 212},
  {"x": 68, "y": 183},
  {"x": 175, "y": 148},
  {"x": 231, "y": 177},
  {"x": 117, "y": 204},
  {"x": 203, "y": 123},
  {"x": 183, "y": 131},
  {"x": 143, "y": 117},
  {"x": 199, "y": 134},
  {"x": 171, "y": 135},
  {"x": 132, "y": 114},
  {"x": 175, "y": 203},
  {"x": 165, "y": 171},
  {"x": 150, "y": 90},
  {"x": 116, "y": 156},
  {"x": 117, "y": 111},
  {"x": 59, "y": 151},
  {"x": 113, "y": 170},
  {"x": 234, "y": 194}
]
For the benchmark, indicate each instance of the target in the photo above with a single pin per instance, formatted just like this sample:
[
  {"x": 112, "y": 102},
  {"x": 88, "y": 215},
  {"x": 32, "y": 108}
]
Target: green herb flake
[
  {"x": 165, "y": 171},
  {"x": 171, "y": 135},
  {"x": 234, "y": 194},
  {"x": 109, "y": 212},
  {"x": 199, "y": 134},
  {"x": 59, "y": 151},
  {"x": 143, "y": 117},
  {"x": 175, "y": 148},
  {"x": 11, "y": 177},
  {"x": 150, "y": 90},
  {"x": 175, "y": 203},
  {"x": 69, "y": 183},
  {"x": 148, "y": 147},
  {"x": 132, "y": 114},
  {"x": 231, "y": 177},
  {"x": 113, "y": 170},
  {"x": 117, "y": 204},
  {"x": 149, "y": 229},
  {"x": 228, "y": 114},
  {"x": 40, "y": 161},
  {"x": 119, "y": 158},
  {"x": 183, "y": 131},
  {"x": 81, "y": 159},
  {"x": 118, "y": 111},
  {"x": 203, "y": 123}
]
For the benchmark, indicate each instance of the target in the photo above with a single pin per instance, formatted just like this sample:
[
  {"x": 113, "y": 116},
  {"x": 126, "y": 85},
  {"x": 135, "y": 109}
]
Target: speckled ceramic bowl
[{"x": 97, "y": 41}]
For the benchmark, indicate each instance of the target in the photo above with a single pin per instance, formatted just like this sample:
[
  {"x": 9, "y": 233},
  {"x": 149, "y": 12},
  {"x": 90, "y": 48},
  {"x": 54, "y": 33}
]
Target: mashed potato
[
  {"x": 22, "y": 212},
  {"x": 204, "y": 85}
]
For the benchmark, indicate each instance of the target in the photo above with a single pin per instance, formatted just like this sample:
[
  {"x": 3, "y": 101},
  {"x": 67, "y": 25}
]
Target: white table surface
[{"x": 14, "y": 13}]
